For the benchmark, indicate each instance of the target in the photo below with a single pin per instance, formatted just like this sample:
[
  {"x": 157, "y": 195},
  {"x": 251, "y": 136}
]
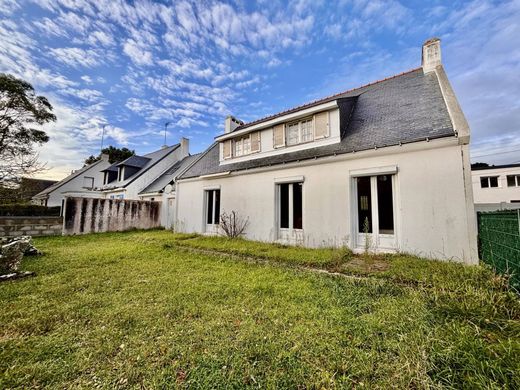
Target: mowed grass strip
[{"x": 126, "y": 310}]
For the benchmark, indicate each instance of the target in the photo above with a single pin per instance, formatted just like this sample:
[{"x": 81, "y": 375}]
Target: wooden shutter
[
  {"x": 227, "y": 149},
  {"x": 321, "y": 125},
  {"x": 278, "y": 136},
  {"x": 255, "y": 141}
]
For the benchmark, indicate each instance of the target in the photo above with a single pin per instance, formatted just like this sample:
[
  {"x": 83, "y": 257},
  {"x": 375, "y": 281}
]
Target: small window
[
  {"x": 513, "y": 180},
  {"x": 88, "y": 182},
  {"x": 246, "y": 145},
  {"x": 299, "y": 132},
  {"x": 238, "y": 147},
  {"x": 212, "y": 207},
  {"x": 489, "y": 181},
  {"x": 293, "y": 133}
]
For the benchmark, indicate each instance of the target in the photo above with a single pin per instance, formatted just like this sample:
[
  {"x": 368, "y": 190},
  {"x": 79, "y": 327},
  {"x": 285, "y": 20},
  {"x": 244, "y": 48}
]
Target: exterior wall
[
  {"x": 431, "y": 218},
  {"x": 76, "y": 184},
  {"x": 499, "y": 194},
  {"x": 30, "y": 226},
  {"x": 86, "y": 215}
]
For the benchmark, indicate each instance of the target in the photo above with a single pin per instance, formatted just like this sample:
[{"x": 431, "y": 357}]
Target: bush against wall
[
  {"x": 233, "y": 225},
  {"x": 28, "y": 210}
]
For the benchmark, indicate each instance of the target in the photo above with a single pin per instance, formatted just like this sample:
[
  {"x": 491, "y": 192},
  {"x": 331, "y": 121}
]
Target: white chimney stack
[
  {"x": 185, "y": 147},
  {"x": 231, "y": 124},
  {"x": 431, "y": 54}
]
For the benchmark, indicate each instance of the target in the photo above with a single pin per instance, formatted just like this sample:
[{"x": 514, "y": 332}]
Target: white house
[
  {"x": 82, "y": 182},
  {"x": 496, "y": 185},
  {"x": 163, "y": 189},
  {"x": 388, "y": 161},
  {"x": 126, "y": 179},
  {"x": 121, "y": 180}
]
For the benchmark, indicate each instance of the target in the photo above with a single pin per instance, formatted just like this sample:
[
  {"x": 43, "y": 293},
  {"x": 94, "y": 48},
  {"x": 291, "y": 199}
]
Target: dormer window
[
  {"x": 242, "y": 146},
  {"x": 300, "y": 132}
]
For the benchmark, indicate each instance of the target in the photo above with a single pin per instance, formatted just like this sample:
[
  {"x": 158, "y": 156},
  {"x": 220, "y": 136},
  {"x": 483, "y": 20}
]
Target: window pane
[
  {"x": 385, "y": 204},
  {"x": 284, "y": 206},
  {"x": 307, "y": 131},
  {"x": 292, "y": 134},
  {"x": 238, "y": 148},
  {"x": 246, "y": 145},
  {"x": 364, "y": 204},
  {"x": 209, "y": 207},
  {"x": 297, "y": 206},
  {"x": 216, "y": 220},
  {"x": 511, "y": 182},
  {"x": 493, "y": 181},
  {"x": 484, "y": 182}
]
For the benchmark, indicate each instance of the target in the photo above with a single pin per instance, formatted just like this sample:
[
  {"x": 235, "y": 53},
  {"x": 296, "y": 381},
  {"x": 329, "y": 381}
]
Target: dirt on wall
[{"x": 91, "y": 215}]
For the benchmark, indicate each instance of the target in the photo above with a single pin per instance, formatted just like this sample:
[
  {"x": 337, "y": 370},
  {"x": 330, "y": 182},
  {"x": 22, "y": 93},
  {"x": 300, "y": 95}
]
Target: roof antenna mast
[
  {"x": 165, "y": 128},
  {"x": 103, "y": 137}
]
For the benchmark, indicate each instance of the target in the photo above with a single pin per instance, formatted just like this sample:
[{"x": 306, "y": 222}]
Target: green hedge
[{"x": 28, "y": 210}]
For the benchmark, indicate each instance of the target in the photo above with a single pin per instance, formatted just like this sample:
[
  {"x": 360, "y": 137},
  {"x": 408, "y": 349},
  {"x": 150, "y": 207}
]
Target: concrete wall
[
  {"x": 30, "y": 226},
  {"x": 499, "y": 194},
  {"x": 83, "y": 215},
  {"x": 431, "y": 218}
]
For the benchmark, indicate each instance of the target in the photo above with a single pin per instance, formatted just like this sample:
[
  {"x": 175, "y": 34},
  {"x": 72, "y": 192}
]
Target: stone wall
[
  {"x": 30, "y": 226},
  {"x": 89, "y": 215}
]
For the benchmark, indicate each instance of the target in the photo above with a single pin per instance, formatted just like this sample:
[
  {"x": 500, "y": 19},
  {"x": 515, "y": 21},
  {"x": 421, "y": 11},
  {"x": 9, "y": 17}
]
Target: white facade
[
  {"x": 313, "y": 188},
  {"x": 79, "y": 183},
  {"x": 430, "y": 216},
  {"x": 496, "y": 185}
]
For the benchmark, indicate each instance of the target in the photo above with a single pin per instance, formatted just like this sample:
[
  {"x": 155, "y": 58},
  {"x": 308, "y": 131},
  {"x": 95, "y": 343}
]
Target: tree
[
  {"x": 114, "y": 155},
  {"x": 20, "y": 111},
  {"x": 479, "y": 165}
]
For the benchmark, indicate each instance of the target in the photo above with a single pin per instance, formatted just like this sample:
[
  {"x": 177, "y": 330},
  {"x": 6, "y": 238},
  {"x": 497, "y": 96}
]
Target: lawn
[{"x": 161, "y": 310}]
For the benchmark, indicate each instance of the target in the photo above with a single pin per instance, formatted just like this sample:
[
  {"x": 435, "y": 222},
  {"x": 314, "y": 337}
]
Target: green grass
[{"x": 136, "y": 310}]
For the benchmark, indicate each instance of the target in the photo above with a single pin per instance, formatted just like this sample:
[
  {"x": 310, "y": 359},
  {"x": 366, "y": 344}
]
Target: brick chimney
[
  {"x": 231, "y": 124},
  {"x": 431, "y": 54},
  {"x": 185, "y": 147},
  {"x": 105, "y": 156}
]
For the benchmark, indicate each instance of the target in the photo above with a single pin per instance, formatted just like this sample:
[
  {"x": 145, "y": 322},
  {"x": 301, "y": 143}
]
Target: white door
[{"x": 375, "y": 212}]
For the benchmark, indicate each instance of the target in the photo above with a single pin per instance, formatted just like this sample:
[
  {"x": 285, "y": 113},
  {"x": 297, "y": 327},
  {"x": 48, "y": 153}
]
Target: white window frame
[
  {"x": 213, "y": 208},
  {"x": 489, "y": 181},
  {"x": 516, "y": 180},
  {"x": 241, "y": 143},
  {"x": 290, "y": 205},
  {"x": 300, "y": 131}
]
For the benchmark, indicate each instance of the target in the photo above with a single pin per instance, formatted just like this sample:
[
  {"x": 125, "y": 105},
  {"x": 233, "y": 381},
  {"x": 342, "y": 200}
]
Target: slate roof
[
  {"x": 405, "y": 108},
  {"x": 170, "y": 175},
  {"x": 134, "y": 161},
  {"x": 111, "y": 168},
  {"x": 74, "y": 174},
  {"x": 149, "y": 160}
]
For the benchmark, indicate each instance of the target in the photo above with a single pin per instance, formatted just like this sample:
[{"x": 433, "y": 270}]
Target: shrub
[
  {"x": 233, "y": 224},
  {"x": 28, "y": 210}
]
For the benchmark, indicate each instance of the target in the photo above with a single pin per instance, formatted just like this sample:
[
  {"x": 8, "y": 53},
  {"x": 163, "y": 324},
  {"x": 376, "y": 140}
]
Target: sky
[{"x": 133, "y": 66}]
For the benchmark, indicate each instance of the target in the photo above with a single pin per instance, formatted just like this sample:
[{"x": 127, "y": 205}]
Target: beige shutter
[
  {"x": 227, "y": 149},
  {"x": 278, "y": 136},
  {"x": 255, "y": 141},
  {"x": 321, "y": 125}
]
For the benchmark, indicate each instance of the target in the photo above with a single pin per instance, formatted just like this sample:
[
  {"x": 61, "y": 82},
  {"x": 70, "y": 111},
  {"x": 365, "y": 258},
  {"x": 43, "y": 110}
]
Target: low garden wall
[
  {"x": 89, "y": 215},
  {"x": 30, "y": 226}
]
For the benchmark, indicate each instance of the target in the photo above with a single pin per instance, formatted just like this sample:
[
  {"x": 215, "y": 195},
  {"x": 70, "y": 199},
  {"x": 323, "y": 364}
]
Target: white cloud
[
  {"x": 76, "y": 57},
  {"x": 138, "y": 55}
]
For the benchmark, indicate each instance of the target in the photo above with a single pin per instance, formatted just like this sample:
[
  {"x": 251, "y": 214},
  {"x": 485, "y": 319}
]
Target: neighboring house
[
  {"x": 82, "y": 182},
  {"x": 163, "y": 189},
  {"x": 126, "y": 179},
  {"x": 496, "y": 184},
  {"x": 27, "y": 187},
  {"x": 388, "y": 161}
]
